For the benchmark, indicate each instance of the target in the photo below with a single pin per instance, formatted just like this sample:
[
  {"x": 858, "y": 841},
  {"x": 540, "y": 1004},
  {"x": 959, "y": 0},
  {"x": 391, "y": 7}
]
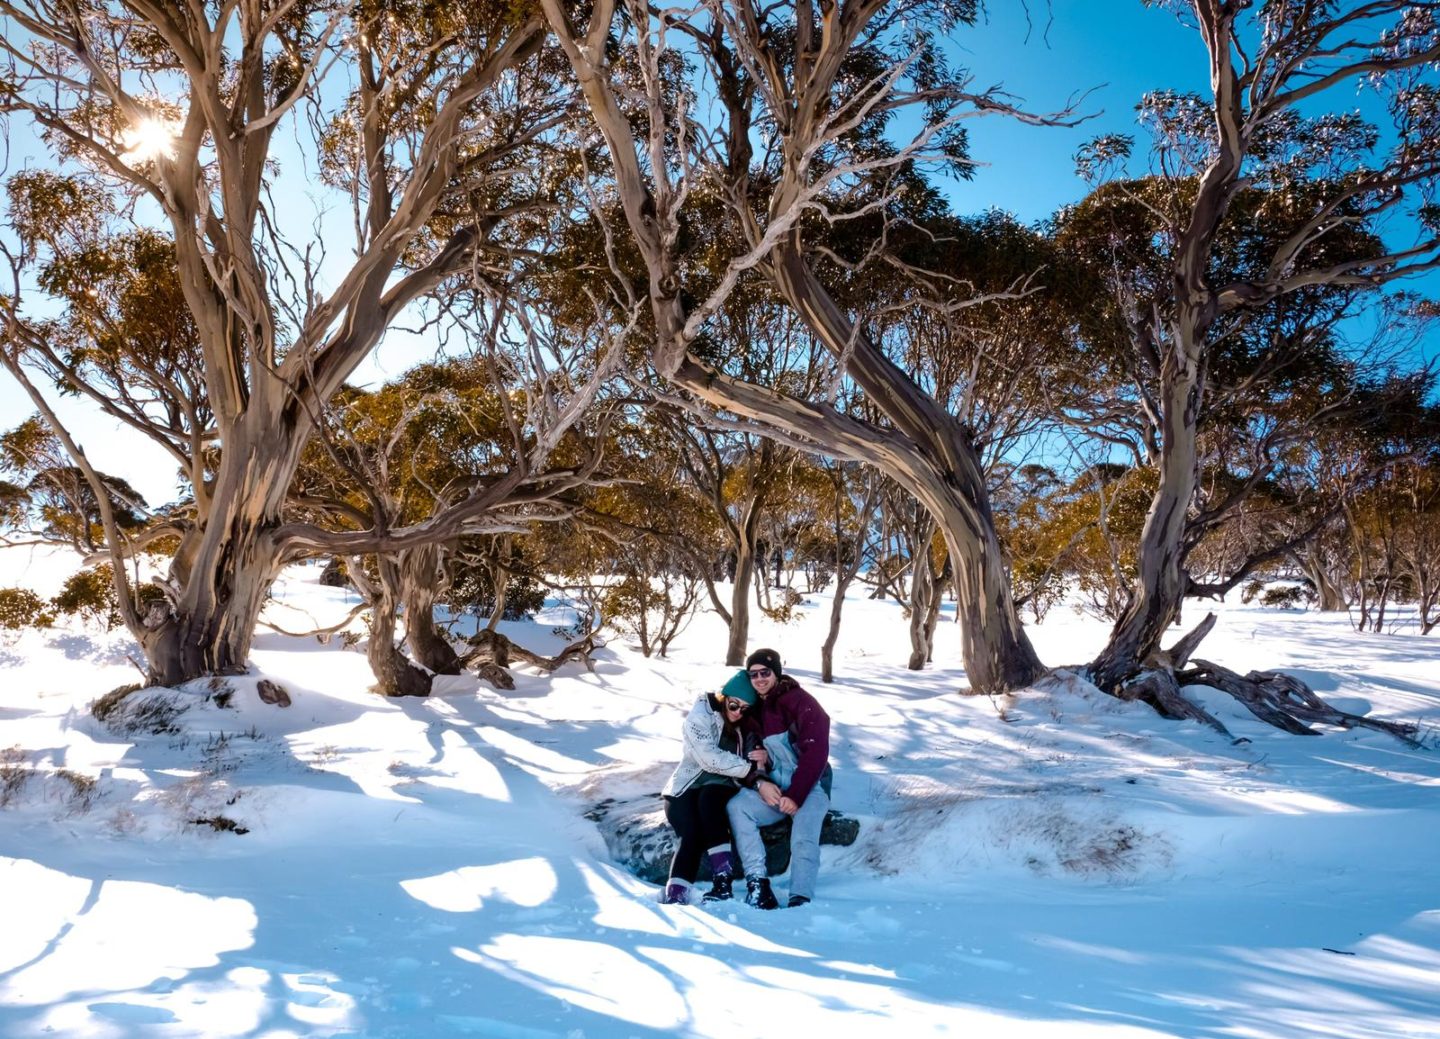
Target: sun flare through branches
[{"x": 150, "y": 138}]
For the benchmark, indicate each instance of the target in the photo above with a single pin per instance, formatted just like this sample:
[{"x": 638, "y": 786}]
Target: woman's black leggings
[{"x": 699, "y": 819}]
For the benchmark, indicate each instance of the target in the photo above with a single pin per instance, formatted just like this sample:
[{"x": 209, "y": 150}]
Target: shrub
[
  {"x": 15, "y": 772},
  {"x": 91, "y": 594},
  {"x": 524, "y": 597},
  {"x": 105, "y": 706},
  {"x": 82, "y": 789},
  {"x": 145, "y": 594},
  {"x": 654, "y": 612},
  {"x": 22, "y": 608},
  {"x": 785, "y": 607},
  {"x": 153, "y": 714},
  {"x": 1285, "y": 598}
]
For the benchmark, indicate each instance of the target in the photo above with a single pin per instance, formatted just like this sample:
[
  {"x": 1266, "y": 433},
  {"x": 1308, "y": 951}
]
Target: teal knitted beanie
[{"x": 739, "y": 688}]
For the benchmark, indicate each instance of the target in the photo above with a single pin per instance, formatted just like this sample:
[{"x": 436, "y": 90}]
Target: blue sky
[
  {"x": 1114, "y": 49},
  {"x": 1117, "y": 50}
]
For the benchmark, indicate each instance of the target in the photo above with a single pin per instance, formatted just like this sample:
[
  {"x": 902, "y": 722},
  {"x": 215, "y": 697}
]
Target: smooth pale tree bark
[
  {"x": 1328, "y": 597},
  {"x": 394, "y": 674},
  {"x": 846, "y": 572},
  {"x": 744, "y": 543},
  {"x": 925, "y": 452},
  {"x": 744, "y": 535},
  {"x": 1261, "y": 73},
  {"x": 269, "y": 367},
  {"x": 932, "y": 617},
  {"x": 424, "y": 577},
  {"x": 1161, "y": 581},
  {"x": 944, "y": 472},
  {"x": 924, "y": 593}
]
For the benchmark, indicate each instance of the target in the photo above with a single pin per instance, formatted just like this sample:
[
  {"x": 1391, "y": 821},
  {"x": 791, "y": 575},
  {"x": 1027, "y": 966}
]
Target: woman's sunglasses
[
  {"x": 760, "y": 672},
  {"x": 737, "y": 705}
]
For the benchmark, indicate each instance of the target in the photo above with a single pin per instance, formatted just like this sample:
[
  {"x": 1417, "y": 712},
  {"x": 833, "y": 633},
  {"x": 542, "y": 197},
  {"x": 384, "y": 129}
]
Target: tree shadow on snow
[{"x": 465, "y": 897}]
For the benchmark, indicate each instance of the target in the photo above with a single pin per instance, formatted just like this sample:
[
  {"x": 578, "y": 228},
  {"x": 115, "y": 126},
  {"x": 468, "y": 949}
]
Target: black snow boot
[
  {"x": 758, "y": 893},
  {"x": 720, "y": 889},
  {"x": 796, "y": 901}
]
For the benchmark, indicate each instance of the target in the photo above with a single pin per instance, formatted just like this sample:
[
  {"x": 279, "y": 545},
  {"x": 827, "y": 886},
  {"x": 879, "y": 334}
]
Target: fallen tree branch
[
  {"x": 493, "y": 647},
  {"x": 1160, "y": 689},
  {"x": 318, "y": 632},
  {"x": 1288, "y": 703}
]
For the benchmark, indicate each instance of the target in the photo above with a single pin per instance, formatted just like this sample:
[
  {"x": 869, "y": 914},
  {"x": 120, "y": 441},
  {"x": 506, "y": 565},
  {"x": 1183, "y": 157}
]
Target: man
[{"x": 796, "y": 751}]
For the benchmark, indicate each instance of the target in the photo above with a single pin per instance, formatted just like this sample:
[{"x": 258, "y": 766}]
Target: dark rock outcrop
[{"x": 639, "y": 838}]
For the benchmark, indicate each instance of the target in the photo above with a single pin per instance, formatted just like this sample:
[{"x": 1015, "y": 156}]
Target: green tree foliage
[
  {"x": 1266, "y": 212},
  {"x": 646, "y": 541},
  {"x": 494, "y": 572},
  {"x": 1393, "y": 529},
  {"x": 56, "y": 498},
  {"x": 90, "y": 593},
  {"x": 21, "y": 608}
]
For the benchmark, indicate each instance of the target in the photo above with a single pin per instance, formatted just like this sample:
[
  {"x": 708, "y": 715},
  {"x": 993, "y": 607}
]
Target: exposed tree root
[
  {"x": 1159, "y": 688},
  {"x": 495, "y": 674},
  {"x": 1278, "y": 699},
  {"x": 1288, "y": 703},
  {"x": 491, "y": 653},
  {"x": 405, "y": 679}
]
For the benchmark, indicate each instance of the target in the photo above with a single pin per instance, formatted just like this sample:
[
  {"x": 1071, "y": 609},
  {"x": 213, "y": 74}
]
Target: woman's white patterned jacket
[{"x": 701, "y": 751}]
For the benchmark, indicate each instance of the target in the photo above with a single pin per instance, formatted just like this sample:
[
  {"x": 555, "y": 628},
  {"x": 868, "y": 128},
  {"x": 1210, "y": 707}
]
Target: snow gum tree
[
  {"x": 432, "y": 459},
  {"x": 741, "y": 477},
  {"x": 164, "y": 123},
  {"x": 1261, "y": 144},
  {"x": 54, "y": 499},
  {"x": 797, "y": 139}
]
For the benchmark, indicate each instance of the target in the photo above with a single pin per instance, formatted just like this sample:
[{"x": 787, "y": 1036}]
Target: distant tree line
[{"x": 698, "y": 317}]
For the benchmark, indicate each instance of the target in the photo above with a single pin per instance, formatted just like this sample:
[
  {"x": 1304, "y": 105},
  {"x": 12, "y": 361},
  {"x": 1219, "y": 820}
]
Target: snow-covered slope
[{"x": 1056, "y": 864}]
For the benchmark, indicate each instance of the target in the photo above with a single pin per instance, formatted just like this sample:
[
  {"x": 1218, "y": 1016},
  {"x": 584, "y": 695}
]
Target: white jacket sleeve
[{"x": 701, "y": 742}]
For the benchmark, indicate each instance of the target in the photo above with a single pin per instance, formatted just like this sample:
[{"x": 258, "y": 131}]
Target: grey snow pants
[{"x": 748, "y": 813}]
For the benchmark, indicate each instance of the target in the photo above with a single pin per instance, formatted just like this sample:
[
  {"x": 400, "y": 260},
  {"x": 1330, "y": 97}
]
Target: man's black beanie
[{"x": 765, "y": 658}]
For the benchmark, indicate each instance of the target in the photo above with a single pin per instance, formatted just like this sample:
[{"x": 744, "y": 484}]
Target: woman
[{"x": 713, "y": 766}]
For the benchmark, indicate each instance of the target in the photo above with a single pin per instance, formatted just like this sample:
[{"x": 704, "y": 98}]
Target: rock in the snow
[
  {"x": 272, "y": 693},
  {"x": 640, "y": 839}
]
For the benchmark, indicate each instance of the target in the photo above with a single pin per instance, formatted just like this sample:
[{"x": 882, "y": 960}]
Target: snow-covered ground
[{"x": 1055, "y": 865}]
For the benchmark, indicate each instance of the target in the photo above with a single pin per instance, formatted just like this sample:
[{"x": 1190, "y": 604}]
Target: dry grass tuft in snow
[{"x": 29, "y": 783}]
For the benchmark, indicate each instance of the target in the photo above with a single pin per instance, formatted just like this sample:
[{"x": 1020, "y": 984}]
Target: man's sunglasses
[
  {"x": 760, "y": 672},
  {"x": 737, "y": 705}
]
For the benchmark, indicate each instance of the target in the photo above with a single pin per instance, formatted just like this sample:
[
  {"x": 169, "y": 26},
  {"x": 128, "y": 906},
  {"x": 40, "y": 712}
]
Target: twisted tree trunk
[
  {"x": 1173, "y": 332},
  {"x": 1328, "y": 596},
  {"x": 929, "y": 452},
  {"x": 1160, "y": 583},
  {"x": 944, "y": 473},
  {"x": 395, "y": 675},
  {"x": 745, "y": 563},
  {"x": 225, "y": 563},
  {"x": 923, "y": 594},
  {"x": 944, "y": 577},
  {"x": 424, "y": 578}
]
